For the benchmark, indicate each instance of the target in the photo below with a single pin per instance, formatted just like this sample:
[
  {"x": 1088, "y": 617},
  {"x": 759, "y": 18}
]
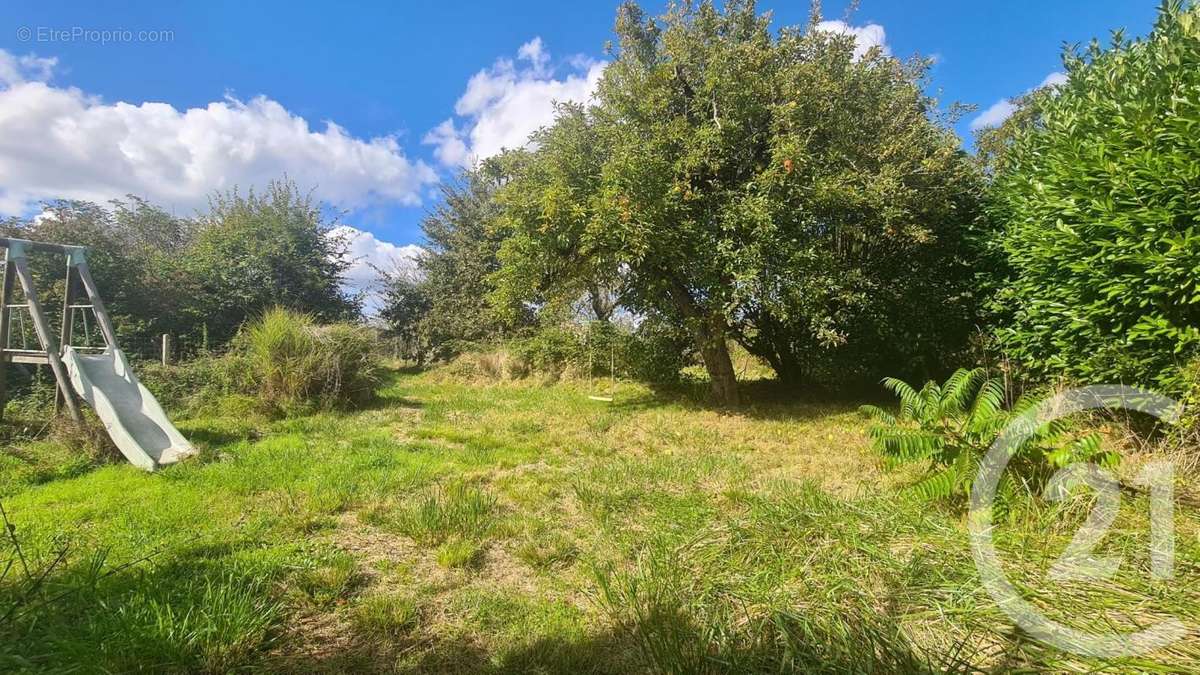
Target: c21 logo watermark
[{"x": 1078, "y": 560}]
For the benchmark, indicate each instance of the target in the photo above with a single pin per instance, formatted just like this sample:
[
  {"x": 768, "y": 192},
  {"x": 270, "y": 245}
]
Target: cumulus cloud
[
  {"x": 1054, "y": 79},
  {"x": 449, "y": 146},
  {"x": 865, "y": 37},
  {"x": 17, "y": 69},
  {"x": 502, "y": 105},
  {"x": 535, "y": 53},
  {"x": 1001, "y": 110},
  {"x": 61, "y": 142},
  {"x": 368, "y": 254},
  {"x": 994, "y": 116}
]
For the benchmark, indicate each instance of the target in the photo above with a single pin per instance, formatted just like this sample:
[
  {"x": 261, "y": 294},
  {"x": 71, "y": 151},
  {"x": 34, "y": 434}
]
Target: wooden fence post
[{"x": 166, "y": 349}]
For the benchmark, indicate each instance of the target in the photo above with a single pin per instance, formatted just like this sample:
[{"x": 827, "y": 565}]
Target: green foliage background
[
  {"x": 1096, "y": 209},
  {"x": 200, "y": 278}
]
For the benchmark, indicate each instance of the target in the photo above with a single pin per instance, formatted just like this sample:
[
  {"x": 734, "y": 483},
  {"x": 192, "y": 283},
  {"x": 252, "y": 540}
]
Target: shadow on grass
[
  {"x": 409, "y": 369},
  {"x": 213, "y": 437},
  {"x": 761, "y": 399},
  {"x": 129, "y": 615},
  {"x": 388, "y": 400},
  {"x": 664, "y": 640}
]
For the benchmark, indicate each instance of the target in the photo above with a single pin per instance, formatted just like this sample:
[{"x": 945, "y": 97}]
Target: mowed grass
[{"x": 471, "y": 527}]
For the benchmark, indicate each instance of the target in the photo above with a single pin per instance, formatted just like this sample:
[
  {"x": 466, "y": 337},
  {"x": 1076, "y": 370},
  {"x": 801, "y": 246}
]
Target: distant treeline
[{"x": 198, "y": 278}]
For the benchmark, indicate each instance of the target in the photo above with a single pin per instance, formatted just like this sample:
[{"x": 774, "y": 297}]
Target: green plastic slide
[{"x": 134, "y": 419}]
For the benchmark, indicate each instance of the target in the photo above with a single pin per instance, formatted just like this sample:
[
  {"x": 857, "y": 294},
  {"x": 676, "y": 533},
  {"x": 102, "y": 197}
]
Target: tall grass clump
[
  {"x": 454, "y": 511},
  {"x": 294, "y": 364}
]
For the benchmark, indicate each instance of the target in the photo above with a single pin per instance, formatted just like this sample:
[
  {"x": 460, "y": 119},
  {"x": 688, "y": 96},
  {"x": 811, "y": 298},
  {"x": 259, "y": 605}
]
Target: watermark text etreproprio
[{"x": 94, "y": 35}]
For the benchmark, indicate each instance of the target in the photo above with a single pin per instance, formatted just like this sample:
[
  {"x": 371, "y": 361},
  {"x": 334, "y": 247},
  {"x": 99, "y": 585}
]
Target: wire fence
[{"x": 182, "y": 349}]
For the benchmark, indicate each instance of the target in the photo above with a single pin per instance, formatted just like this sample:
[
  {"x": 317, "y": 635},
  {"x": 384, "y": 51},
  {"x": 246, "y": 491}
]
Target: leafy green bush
[
  {"x": 652, "y": 352},
  {"x": 292, "y": 363},
  {"x": 657, "y": 351},
  {"x": 194, "y": 384},
  {"x": 953, "y": 425},
  {"x": 551, "y": 351},
  {"x": 1096, "y": 205}
]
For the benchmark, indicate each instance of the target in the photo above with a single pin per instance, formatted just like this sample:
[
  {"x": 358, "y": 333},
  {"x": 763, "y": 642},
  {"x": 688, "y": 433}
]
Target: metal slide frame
[{"x": 16, "y": 270}]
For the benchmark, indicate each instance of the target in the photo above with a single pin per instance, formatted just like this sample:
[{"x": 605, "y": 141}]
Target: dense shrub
[
  {"x": 653, "y": 352},
  {"x": 194, "y": 384},
  {"x": 292, "y": 363},
  {"x": 551, "y": 351},
  {"x": 197, "y": 279},
  {"x": 658, "y": 352},
  {"x": 1097, "y": 202}
]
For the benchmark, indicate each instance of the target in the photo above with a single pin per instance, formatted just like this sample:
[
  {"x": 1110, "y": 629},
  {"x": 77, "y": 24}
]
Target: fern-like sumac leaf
[
  {"x": 1089, "y": 448},
  {"x": 906, "y": 445},
  {"x": 989, "y": 402},
  {"x": 959, "y": 390},
  {"x": 937, "y": 486},
  {"x": 878, "y": 414},
  {"x": 966, "y": 467},
  {"x": 910, "y": 399}
]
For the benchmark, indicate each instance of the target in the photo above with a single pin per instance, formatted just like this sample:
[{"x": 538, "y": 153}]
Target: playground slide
[{"x": 133, "y": 418}]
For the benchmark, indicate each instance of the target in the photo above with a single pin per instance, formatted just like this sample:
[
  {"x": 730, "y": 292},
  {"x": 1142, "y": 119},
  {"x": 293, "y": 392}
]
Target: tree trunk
[
  {"x": 788, "y": 369},
  {"x": 601, "y": 306},
  {"x": 779, "y": 353},
  {"x": 714, "y": 351},
  {"x": 710, "y": 332}
]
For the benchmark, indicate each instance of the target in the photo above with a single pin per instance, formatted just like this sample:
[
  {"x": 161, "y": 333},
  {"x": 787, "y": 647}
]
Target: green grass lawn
[{"x": 467, "y": 527}]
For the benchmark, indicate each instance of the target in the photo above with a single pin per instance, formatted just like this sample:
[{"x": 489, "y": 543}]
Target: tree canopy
[
  {"x": 772, "y": 188},
  {"x": 199, "y": 279}
]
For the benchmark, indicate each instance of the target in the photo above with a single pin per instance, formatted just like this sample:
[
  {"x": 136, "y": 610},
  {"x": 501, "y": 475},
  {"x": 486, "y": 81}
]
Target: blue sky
[{"x": 197, "y": 96}]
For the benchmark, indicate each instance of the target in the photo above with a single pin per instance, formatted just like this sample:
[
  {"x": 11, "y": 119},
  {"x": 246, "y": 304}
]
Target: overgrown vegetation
[
  {"x": 291, "y": 362},
  {"x": 198, "y": 279},
  {"x": 810, "y": 203},
  {"x": 734, "y": 201},
  {"x": 1095, "y": 210},
  {"x": 468, "y": 526},
  {"x": 774, "y": 189},
  {"x": 952, "y": 427}
]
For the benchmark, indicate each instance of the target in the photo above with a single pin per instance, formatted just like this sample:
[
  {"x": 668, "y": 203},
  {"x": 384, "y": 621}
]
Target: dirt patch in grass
[{"x": 320, "y": 642}]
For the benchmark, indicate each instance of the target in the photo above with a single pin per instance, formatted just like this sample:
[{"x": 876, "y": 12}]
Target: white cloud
[
  {"x": 1055, "y": 79},
  {"x": 449, "y": 146},
  {"x": 535, "y": 53},
  {"x": 865, "y": 37},
  {"x": 369, "y": 254},
  {"x": 60, "y": 142},
  {"x": 504, "y": 104},
  {"x": 994, "y": 116},
  {"x": 17, "y": 69},
  {"x": 1001, "y": 110}
]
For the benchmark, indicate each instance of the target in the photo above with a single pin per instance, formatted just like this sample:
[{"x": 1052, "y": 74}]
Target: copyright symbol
[{"x": 24, "y": 33}]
